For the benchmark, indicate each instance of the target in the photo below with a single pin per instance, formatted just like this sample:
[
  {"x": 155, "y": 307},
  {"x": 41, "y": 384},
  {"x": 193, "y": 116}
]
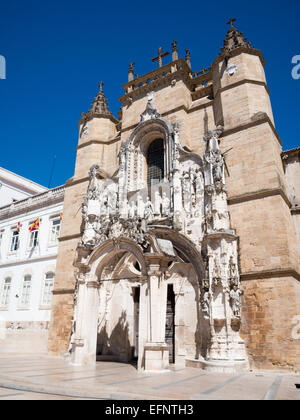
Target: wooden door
[{"x": 170, "y": 327}]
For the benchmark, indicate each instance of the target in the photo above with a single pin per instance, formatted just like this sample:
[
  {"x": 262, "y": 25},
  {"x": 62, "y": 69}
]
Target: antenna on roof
[{"x": 52, "y": 171}]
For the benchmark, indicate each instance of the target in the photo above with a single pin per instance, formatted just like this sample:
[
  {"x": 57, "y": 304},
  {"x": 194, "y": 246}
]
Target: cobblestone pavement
[{"x": 43, "y": 377}]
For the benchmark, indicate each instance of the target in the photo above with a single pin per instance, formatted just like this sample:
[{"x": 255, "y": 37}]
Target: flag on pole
[
  {"x": 60, "y": 216},
  {"x": 35, "y": 225},
  {"x": 19, "y": 227}
]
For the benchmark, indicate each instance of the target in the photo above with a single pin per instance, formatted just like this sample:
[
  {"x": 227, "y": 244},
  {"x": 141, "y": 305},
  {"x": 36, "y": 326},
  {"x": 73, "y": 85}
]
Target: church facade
[{"x": 178, "y": 242}]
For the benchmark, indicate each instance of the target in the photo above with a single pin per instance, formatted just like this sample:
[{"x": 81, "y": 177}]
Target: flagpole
[{"x": 52, "y": 171}]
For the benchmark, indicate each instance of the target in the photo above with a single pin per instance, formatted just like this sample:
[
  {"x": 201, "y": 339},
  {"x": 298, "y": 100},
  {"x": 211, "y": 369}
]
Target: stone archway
[{"x": 88, "y": 295}]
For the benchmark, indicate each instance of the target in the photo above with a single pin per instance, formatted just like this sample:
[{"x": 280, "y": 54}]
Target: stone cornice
[
  {"x": 264, "y": 118},
  {"x": 63, "y": 291},
  {"x": 240, "y": 50},
  {"x": 276, "y": 272},
  {"x": 73, "y": 181},
  {"x": 257, "y": 195},
  {"x": 87, "y": 118},
  {"x": 69, "y": 237},
  {"x": 242, "y": 82},
  {"x": 27, "y": 260},
  {"x": 39, "y": 200},
  {"x": 94, "y": 141}
]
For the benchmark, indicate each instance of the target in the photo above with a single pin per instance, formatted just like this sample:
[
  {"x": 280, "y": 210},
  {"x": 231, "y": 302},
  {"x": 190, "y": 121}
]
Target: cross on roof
[
  {"x": 231, "y": 21},
  {"x": 101, "y": 84},
  {"x": 160, "y": 56}
]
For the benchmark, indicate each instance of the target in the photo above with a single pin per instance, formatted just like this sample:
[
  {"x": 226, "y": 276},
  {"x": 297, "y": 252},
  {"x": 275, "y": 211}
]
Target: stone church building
[{"x": 179, "y": 239}]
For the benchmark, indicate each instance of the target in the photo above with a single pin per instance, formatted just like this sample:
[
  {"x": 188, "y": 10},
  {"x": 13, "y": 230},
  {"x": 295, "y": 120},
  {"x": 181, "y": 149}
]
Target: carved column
[
  {"x": 156, "y": 350},
  {"x": 85, "y": 343},
  {"x": 227, "y": 350}
]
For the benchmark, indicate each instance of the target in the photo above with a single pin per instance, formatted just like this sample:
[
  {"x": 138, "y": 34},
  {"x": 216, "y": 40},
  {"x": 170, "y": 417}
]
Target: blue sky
[{"x": 57, "y": 53}]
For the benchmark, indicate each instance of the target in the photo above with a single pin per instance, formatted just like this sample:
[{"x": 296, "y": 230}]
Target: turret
[{"x": 97, "y": 129}]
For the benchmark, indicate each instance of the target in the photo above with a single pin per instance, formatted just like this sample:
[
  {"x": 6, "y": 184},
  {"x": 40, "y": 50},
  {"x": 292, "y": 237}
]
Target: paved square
[{"x": 43, "y": 377}]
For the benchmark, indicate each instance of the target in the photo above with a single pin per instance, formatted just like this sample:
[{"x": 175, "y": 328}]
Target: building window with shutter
[
  {"x": 48, "y": 289},
  {"x": 14, "y": 245},
  {"x": 5, "y": 293},
  {"x": 26, "y": 291}
]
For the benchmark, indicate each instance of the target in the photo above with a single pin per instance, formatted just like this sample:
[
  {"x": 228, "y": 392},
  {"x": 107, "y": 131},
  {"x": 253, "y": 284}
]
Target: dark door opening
[
  {"x": 170, "y": 323},
  {"x": 136, "y": 312}
]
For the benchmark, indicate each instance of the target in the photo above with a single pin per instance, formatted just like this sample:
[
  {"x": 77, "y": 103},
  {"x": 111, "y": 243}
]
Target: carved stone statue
[
  {"x": 186, "y": 191},
  {"x": 94, "y": 185},
  {"x": 149, "y": 210},
  {"x": 132, "y": 210},
  {"x": 235, "y": 300},
  {"x": 233, "y": 272},
  {"x": 90, "y": 230},
  {"x": 165, "y": 205},
  {"x": 205, "y": 303}
]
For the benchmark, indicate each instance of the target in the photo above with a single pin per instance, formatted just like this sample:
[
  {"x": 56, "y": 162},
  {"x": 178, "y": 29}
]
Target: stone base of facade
[
  {"x": 221, "y": 366},
  {"x": 24, "y": 337},
  {"x": 156, "y": 357}
]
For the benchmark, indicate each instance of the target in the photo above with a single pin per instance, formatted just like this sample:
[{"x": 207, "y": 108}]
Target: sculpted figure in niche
[
  {"x": 90, "y": 230},
  {"x": 209, "y": 221},
  {"x": 235, "y": 300},
  {"x": 205, "y": 303},
  {"x": 94, "y": 185},
  {"x": 186, "y": 191},
  {"x": 132, "y": 210},
  {"x": 165, "y": 205},
  {"x": 199, "y": 182},
  {"x": 149, "y": 210},
  {"x": 216, "y": 273},
  {"x": 113, "y": 200},
  {"x": 232, "y": 272}
]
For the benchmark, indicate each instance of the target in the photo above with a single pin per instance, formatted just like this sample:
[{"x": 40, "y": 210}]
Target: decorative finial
[
  {"x": 99, "y": 106},
  {"x": 188, "y": 57},
  {"x": 204, "y": 70},
  {"x": 131, "y": 71},
  {"x": 174, "y": 51}
]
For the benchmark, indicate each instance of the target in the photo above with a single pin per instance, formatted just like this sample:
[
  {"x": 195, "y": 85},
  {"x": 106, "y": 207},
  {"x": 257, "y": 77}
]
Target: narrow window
[
  {"x": 26, "y": 291},
  {"x": 48, "y": 289},
  {"x": 14, "y": 241},
  {"x": 5, "y": 292},
  {"x": 155, "y": 162},
  {"x": 55, "y": 231},
  {"x": 33, "y": 242}
]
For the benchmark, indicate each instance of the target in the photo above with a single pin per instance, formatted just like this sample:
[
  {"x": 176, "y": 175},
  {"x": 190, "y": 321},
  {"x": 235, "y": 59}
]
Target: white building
[
  {"x": 27, "y": 261},
  {"x": 14, "y": 187}
]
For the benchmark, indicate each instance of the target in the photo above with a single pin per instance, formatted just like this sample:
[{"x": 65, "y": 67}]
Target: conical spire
[
  {"x": 234, "y": 39},
  {"x": 99, "y": 106}
]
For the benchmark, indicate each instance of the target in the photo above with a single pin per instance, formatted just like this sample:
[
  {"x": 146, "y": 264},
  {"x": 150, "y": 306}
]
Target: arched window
[{"x": 155, "y": 162}]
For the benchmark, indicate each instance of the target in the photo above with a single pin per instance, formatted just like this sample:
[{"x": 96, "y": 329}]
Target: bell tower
[
  {"x": 98, "y": 142},
  {"x": 258, "y": 201}
]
